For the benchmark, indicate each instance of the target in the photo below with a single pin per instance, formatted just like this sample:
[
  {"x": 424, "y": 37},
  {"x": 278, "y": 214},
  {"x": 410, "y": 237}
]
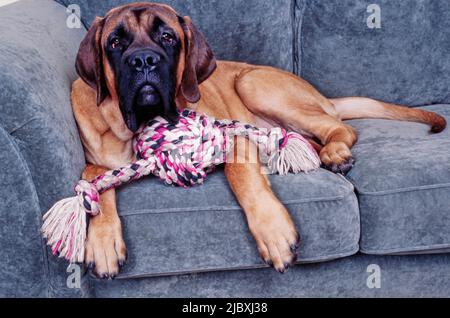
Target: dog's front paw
[
  {"x": 106, "y": 253},
  {"x": 337, "y": 157},
  {"x": 276, "y": 236}
]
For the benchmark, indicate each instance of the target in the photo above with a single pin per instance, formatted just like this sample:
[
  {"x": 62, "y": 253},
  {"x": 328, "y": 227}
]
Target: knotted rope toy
[{"x": 180, "y": 154}]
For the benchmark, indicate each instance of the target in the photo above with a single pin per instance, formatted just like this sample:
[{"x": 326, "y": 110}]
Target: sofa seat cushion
[
  {"x": 176, "y": 231},
  {"x": 402, "y": 176}
]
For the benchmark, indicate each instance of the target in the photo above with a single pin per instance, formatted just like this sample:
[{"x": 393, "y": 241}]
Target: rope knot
[{"x": 88, "y": 197}]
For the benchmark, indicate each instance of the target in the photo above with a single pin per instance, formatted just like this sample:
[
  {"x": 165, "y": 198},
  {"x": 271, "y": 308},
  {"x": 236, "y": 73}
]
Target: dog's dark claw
[
  {"x": 335, "y": 168},
  {"x": 295, "y": 247},
  {"x": 90, "y": 266},
  {"x": 342, "y": 168},
  {"x": 294, "y": 258},
  {"x": 269, "y": 262},
  {"x": 104, "y": 276},
  {"x": 122, "y": 263},
  {"x": 347, "y": 166}
]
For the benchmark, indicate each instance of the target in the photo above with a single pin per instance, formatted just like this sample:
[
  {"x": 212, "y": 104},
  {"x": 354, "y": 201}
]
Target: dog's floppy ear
[
  {"x": 200, "y": 62},
  {"x": 89, "y": 62}
]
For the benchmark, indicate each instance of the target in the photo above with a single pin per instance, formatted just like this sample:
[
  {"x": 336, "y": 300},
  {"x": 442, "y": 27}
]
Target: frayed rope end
[
  {"x": 65, "y": 229},
  {"x": 65, "y": 225},
  {"x": 297, "y": 155}
]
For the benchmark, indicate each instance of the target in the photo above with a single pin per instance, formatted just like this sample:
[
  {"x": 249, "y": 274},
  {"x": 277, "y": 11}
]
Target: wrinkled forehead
[{"x": 140, "y": 17}]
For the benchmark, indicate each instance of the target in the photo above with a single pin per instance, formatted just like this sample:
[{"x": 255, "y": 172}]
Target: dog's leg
[
  {"x": 285, "y": 99},
  {"x": 269, "y": 221},
  {"x": 105, "y": 249}
]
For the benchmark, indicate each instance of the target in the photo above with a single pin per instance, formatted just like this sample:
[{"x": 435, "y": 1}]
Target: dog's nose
[{"x": 144, "y": 59}]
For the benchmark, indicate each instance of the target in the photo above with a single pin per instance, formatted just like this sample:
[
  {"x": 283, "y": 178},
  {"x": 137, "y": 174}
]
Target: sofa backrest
[
  {"x": 406, "y": 60},
  {"x": 254, "y": 31},
  {"x": 329, "y": 42}
]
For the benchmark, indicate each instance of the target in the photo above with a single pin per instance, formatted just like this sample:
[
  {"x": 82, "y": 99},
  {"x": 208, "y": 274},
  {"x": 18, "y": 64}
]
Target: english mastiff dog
[{"x": 143, "y": 60}]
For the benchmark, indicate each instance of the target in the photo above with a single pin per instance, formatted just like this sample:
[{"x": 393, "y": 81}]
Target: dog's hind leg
[{"x": 287, "y": 100}]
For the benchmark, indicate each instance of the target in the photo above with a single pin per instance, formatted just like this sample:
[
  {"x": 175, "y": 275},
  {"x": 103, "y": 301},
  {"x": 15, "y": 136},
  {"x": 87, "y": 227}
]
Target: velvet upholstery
[
  {"x": 20, "y": 216},
  {"x": 233, "y": 28},
  {"x": 401, "y": 176},
  {"x": 201, "y": 229},
  {"x": 405, "y": 61},
  {"x": 405, "y": 276},
  {"x": 39, "y": 138}
]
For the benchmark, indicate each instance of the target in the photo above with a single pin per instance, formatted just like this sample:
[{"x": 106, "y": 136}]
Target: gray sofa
[{"x": 391, "y": 211}]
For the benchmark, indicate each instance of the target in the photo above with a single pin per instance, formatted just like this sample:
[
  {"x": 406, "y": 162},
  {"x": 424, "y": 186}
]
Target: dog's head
[{"x": 145, "y": 56}]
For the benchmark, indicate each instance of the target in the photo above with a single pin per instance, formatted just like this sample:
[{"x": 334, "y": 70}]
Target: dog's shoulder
[
  {"x": 102, "y": 118},
  {"x": 99, "y": 126},
  {"x": 85, "y": 109}
]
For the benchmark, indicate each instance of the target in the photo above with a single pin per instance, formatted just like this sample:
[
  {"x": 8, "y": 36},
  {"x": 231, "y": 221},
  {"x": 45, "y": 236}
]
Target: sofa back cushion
[
  {"x": 328, "y": 42},
  {"x": 253, "y": 31},
  {"x": 406, "y": 61}
]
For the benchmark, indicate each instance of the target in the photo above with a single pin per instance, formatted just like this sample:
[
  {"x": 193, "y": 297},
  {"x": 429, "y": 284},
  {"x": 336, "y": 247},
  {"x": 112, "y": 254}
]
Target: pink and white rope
[{"x": 181, "y": 154}]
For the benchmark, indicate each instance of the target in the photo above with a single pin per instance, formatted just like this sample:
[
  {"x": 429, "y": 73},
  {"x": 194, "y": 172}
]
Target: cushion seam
[
  {"x": 232, "y": 208},
  {"x": 394, "y": 142},
  {"x": 293, "y": 29},
  {"x": 322, "y": 259},
  {"x": 400, "y": 190},
  {"x": 22, "y": 125},
  {"x": 405, "y": 250},
  {"x": 299, "y": 48}
]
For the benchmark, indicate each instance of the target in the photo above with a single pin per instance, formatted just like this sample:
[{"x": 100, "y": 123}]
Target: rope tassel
[
  {"x": 64, "y": 224},
  {"x": 296, "y": 156},
  {"x": 180, "y": 154}
]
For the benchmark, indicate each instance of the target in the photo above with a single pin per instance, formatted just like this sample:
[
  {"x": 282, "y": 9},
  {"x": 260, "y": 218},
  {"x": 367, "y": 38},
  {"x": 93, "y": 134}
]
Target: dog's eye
[
  {"x": 115, "y": 42},
  {"x": 168, "y": 38}
]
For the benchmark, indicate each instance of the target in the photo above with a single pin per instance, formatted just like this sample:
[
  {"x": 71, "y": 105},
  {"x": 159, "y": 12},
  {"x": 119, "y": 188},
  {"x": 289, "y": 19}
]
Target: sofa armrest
[
  {"x": 37, "y": 68},
  {"x": 23, "y": 271},
  {"x": 42, "y": 146}
]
